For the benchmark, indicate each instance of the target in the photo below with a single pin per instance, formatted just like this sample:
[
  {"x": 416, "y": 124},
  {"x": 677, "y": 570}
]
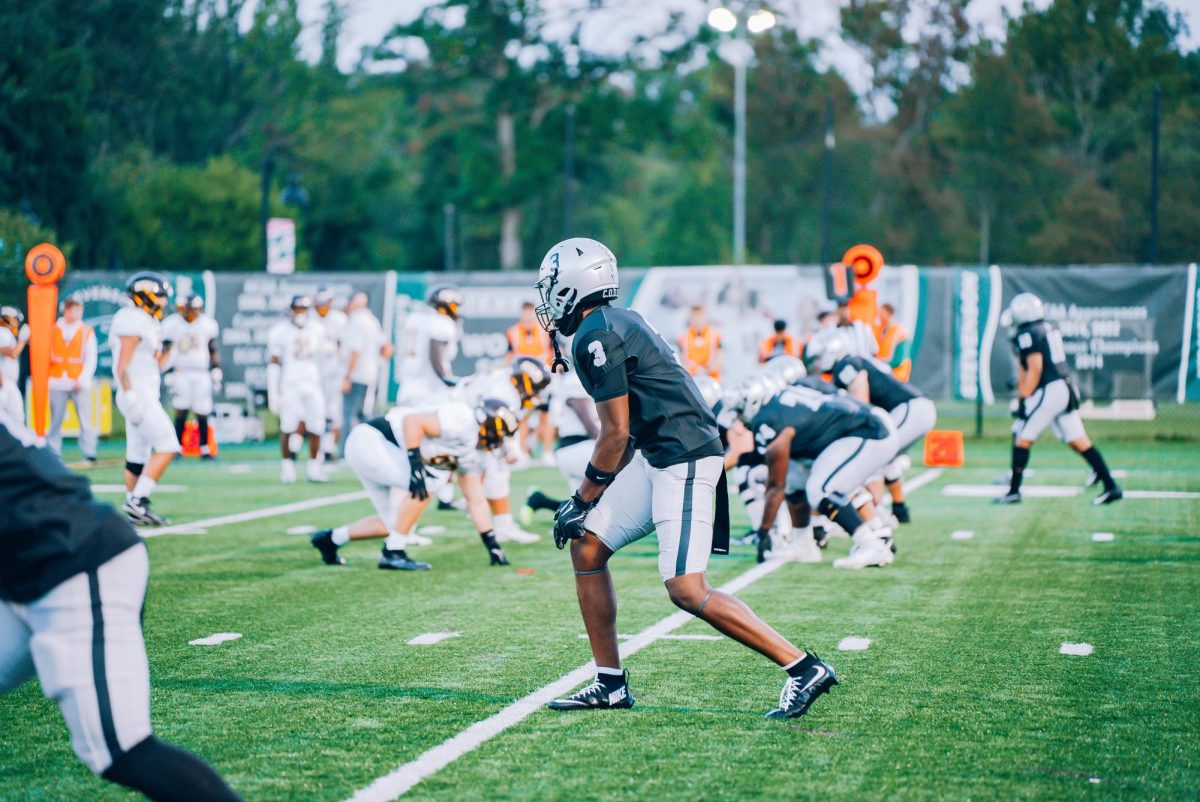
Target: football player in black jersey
[
  {"x": 657, "y": 466},
  {"x": 1046, "y": 397},
  {"x": 867, "y": 381},
  {"x": 72, "y": 586}
]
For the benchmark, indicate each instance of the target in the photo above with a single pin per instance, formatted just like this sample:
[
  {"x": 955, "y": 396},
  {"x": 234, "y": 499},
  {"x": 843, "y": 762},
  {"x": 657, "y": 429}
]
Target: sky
[{"x": 612, "y": 28}]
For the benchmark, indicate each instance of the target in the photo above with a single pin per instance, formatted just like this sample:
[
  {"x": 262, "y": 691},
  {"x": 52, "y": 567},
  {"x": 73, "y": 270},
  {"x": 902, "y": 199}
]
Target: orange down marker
[
  {"x": 944, "y": 449},
  {"x": 44, "y": 266}
]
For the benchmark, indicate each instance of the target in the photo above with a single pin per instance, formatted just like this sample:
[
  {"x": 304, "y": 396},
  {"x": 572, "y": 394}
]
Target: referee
[{"x": 72, "y": 585}]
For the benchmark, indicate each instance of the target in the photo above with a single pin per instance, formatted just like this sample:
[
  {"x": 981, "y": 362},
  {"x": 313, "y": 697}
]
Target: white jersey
[
  {"x": 421, "y": 330},
  {"x": 861, "y": 339},
  {"x": 10, "y": 368},
  {"x": 495, "y": 384},
  {"x": 144, "y": 372},
  {"x": 457, "y": 444},
  {"x": 567, "y": 387},
  {"x": 333, "y": 358},
  {"x": 190, "y": 341},
  {"x": 298, "y": 350}
]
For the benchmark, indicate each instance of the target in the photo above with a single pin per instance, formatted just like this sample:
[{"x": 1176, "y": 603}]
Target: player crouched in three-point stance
[
  {"x": 392, "y": 454},
  {"x": 136, "y": 339},
  {"x": 72, "y": 585},
  {"x": 657, "y": 465},
  {"x": 294, "y": 387},
  {"x": 1046, "y": 396},
  {"x": 191, "y": 338}
]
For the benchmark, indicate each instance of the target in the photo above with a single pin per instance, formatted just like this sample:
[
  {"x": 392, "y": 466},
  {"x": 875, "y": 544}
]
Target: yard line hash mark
[{"x": 254, "y": 515}]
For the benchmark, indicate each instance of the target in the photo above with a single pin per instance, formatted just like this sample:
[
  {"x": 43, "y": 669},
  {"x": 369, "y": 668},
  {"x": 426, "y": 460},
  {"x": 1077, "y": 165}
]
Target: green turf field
[{"x": 962, "y": 694}]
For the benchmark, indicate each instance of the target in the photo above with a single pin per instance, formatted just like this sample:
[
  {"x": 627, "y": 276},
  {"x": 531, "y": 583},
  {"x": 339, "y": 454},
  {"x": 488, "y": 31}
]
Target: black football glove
[
  {"x": 569, "y": 518},
  {"x": 416, "y": 475}
]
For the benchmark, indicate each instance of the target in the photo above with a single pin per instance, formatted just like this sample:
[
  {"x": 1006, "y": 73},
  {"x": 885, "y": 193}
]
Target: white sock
[
  {"x": 503, "y": 521},
  {"x": 341, "y": 536},
  {"x": 396, "y": 542},
  {"x": 602, "y": 671},
  {"x": 319, "y": 459},
  {"x": 144, "y": 487},
  {"x": 801, "y": 533}
]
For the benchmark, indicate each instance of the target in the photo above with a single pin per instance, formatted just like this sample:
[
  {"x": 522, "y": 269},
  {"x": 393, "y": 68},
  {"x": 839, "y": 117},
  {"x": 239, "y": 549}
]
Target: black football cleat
[
  {"x": 800, "y": 692},
  {"x": 764, "y": 546},
  {"x": 398, "y": 560},
  {"x": 1008, "y": 498},
  {"x": 597, "y": 696},
  {"x": 323, "y": 542},
  {"x": 139, "y": 513},
  {"x": 820, "y": 536},
  {"x": 1115, "y": 493},
  {"x": 495, "y": 553},
  {"x": 900, "y": 510}
]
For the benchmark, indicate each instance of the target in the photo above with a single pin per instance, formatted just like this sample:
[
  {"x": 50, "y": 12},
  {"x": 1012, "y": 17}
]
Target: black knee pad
[
  {"x": 135, "y": 468},
  {"x": 837, "y": 509}
]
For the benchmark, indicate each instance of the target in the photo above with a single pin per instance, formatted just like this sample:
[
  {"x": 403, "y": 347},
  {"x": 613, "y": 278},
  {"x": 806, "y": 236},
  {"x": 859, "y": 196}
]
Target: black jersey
[
  {"x": 1042, "y": 338},
  {"x": 616, "y": 352},
  {"x": 51, "y": 527},
  {"x": 815, "y": 383},
  {"x": 818, "y": 418},
  {"x": 886, "y": 391}
]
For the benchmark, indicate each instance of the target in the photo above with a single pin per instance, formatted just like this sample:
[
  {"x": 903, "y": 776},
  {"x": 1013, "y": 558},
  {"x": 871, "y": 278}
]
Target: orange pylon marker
[
  {"x": 944, "y": 449},
  {"x": 44, "y": 266}
]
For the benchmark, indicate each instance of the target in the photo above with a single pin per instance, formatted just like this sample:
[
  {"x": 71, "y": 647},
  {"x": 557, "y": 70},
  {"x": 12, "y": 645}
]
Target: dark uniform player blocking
[
  {"x": 657, "y": 466},
  {"x": 72, "y": 585}
]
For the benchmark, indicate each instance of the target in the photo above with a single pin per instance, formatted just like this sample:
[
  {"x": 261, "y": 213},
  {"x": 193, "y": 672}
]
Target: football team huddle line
[{"x": 645, "y": 446}]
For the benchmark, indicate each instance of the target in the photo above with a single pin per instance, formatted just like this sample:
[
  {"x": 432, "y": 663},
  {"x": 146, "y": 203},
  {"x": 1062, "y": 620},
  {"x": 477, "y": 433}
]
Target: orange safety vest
[
  {"x": 889, "y": 338},
  {"x": 778, "y": 345},
  {"x": 532, "y": 341},
  {"x": 66, "y": 358},
  {"x": 698, "y": 349}
]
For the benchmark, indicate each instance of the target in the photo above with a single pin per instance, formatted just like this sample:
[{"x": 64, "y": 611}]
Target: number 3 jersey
[
  {"x": 1042, "y": 338},
  {"x": 298, "y": 349},
  {"x": 819, "y": 420},
  {"x": 616, "y": 352}
]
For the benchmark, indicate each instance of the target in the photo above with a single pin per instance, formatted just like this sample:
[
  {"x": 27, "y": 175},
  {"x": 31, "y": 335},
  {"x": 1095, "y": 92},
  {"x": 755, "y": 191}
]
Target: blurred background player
[
  {"x": 1046, "y": 397},
  {"x": 363, "y": 346},
  {"x": 895, "y": 344},
  {"x": 333, "y": 369},
  {"x": 73, "y": 355},
  {"x": 72, "y": 593},
  {"x": 11, "y": 345},
  {"x": 294, "y": 386},
  {"x": 700, "y": 346},
  {"x": 391, "y": 456},
  {"x": 136, "y": 339},
  {"x": 526, "y": 338},
  {"x": 860, "y": 337},
  {"x": 191, "y": 339},
  {"x": 780, "y": 343}
]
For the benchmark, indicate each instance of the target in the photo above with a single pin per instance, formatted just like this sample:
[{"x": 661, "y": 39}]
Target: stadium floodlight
[
  {"x": 722, "y": 19},
  {"x": 760, "y": 21}
]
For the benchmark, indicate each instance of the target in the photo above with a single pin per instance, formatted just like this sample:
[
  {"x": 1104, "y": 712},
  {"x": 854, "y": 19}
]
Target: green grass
[{"x": 962, "y": 694}]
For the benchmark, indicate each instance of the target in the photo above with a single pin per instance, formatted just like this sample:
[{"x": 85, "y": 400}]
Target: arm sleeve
[{"x": 600, "y": 359}]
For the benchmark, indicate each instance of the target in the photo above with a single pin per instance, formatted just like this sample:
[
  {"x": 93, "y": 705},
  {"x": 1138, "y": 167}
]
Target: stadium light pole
[{"x": 728, "y": 20}]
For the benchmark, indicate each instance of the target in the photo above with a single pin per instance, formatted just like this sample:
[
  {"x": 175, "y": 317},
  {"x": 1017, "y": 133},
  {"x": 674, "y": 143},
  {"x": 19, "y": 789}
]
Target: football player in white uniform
[
  {"x": 191, "y": 339},
  {"x": 333, "y": 367},
  {"x": 294, "y": 386},
  {"x": 519, "y": 387},
  {"x": 392, "y": 456},
  {"x": 11, "y": 345},
  {"x": 136, "y": 339}
]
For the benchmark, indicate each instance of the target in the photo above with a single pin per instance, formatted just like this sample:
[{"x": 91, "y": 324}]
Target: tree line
[{"x": 134, "y": 133}]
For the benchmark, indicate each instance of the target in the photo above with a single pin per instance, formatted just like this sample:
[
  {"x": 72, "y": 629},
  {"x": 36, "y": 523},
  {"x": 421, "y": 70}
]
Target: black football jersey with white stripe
[
  {"x": 818, "y": 418},
  {"x": 1042, "y": 338},
  {"x": 616, "y": 352},
  {"x": 886, "y": 391},
  {"x": 51, "y": 528}
]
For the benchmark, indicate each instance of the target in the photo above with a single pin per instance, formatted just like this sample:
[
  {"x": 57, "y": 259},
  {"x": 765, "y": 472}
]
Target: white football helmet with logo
[
  {"x": 575, "y": 275},
  {"x": 825, "y": 348},
  {"x": 1026, "y": 308}
]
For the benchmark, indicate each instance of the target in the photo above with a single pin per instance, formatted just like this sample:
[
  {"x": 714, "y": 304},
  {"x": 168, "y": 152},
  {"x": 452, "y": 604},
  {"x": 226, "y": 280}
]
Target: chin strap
[{"x": 559, "y": 365}]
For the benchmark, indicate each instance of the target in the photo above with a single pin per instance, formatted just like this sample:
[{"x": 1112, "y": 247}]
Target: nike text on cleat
[
  {"x": 399, "y": 561},
  {"x": 1109, "y": 496},
  {"x": 323, "y": 542},
  {"x": 800, "y": 692},
  {"x": 1008, "y": 498},
  {"x": 139, "y": 513},
  {"x": 597, "y": 696}
]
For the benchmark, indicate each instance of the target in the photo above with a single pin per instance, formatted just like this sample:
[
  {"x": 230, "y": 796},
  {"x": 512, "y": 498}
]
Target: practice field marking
[
  {"x": 1076, "y": 649},
  {"x": 214, "y": 639},
  {"x": 962, "y": 534},
  {"x": 302, "y": 529},
  {"x": 121, "y": 489},
  {"x": 254, "y": 515},
  {"x": 1054, "y": 491},
  {"x": 430, "y": 638},
  {"x": 1102, "y": 537},
  {"x": 240, "y": 469},
  {"x": 854, "y": 644},
  {"x": 1178, "y": 494}
]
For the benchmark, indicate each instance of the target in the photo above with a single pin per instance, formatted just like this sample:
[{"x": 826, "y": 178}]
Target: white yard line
[
  {"x": 195, "y": 527},
  {"x": 396, "y": 783}
]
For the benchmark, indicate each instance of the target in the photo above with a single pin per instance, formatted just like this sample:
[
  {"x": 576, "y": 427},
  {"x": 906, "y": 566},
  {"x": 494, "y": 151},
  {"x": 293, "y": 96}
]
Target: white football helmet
[
  {"x": 710, "y": 389},
  {"x": 825, "y": 348},
  {"x": 788, "y": 368},
  {"x": 575, "y": 275},
  {"x": 747, "y": 398},
  {"x": 1026, "y": 308}
]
